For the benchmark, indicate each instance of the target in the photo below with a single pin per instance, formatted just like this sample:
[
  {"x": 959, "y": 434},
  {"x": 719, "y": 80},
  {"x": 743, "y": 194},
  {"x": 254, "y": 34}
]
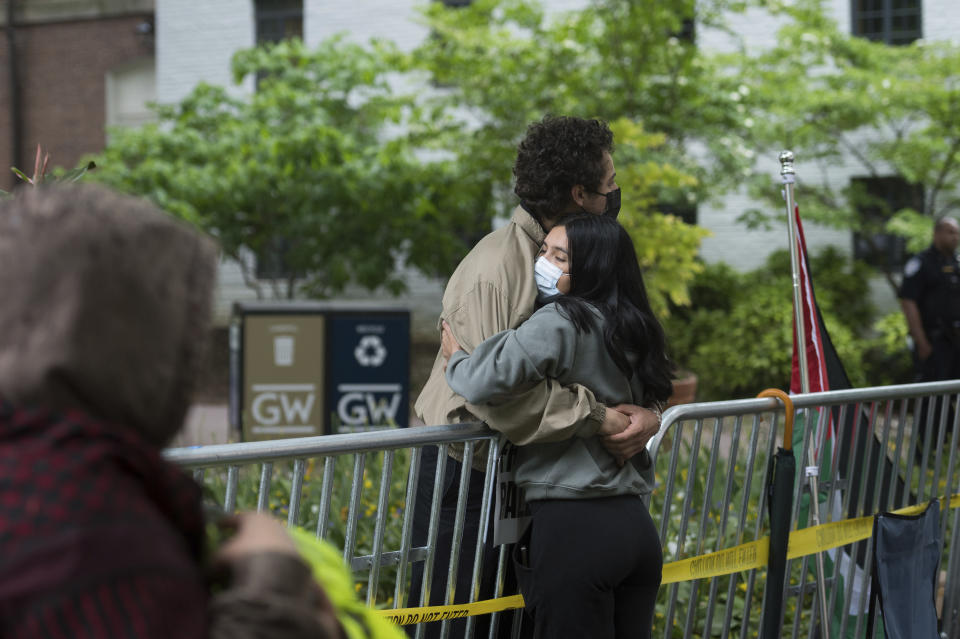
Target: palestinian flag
[{"x": 839, "y": 465}]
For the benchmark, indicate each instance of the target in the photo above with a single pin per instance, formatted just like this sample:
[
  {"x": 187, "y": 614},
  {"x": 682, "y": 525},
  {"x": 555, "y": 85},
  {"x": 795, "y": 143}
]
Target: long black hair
[{"x": 605, "y": 272}]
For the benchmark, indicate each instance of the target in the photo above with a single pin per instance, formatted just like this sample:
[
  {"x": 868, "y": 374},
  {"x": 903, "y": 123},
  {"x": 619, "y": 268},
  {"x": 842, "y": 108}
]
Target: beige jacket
[{"x": 492, "y": 290}]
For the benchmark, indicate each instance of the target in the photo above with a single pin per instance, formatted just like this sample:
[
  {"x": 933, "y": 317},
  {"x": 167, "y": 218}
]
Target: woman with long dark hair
[{"x": 592, "y": 564}]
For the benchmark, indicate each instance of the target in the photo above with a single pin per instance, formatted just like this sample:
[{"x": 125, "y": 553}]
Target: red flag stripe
[{"x": 812, "y": 340}]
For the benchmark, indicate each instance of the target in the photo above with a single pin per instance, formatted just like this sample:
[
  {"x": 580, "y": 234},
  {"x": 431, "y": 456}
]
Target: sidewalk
[{"x": 205, "y": 424}]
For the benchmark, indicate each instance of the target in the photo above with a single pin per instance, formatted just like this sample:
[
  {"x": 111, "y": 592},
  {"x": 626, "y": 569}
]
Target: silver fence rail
[
  {"x": 711, "y": 461},
  {"x": 358, "y": 491},
  {"x": 363, "y": 500}
]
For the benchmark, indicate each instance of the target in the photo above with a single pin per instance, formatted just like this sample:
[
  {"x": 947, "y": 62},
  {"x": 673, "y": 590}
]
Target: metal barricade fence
[
  {"x": 365, "y": 504},
  {"x": 710, "y": 461}
]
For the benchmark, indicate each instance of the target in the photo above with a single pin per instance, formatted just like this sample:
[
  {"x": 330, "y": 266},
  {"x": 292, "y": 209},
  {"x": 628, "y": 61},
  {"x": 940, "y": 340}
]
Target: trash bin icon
[{"x": 283, "y": 350}]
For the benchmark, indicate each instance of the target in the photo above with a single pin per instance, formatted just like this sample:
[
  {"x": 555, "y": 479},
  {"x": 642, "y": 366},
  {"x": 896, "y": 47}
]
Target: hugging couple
[{"x": 548, "y": 337}]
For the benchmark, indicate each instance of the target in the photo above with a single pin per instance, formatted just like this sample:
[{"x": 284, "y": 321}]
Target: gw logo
[
  {"x": 283, "y": 408},
  {"x": 359, "y": 404}
]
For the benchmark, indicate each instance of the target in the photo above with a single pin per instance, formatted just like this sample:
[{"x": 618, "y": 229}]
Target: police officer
[{"x": 930, "y": 298}]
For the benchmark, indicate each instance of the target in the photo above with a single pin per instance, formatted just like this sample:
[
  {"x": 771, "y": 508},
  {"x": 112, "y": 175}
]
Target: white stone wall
[
  {"x": 363, "y": 19},
  {"x": 195, "y": 41},
  {"x": 941, "y": 20}
]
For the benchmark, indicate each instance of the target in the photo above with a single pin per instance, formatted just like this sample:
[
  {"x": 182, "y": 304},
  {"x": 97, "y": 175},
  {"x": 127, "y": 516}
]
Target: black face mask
[{"x": 613, "y": 204}]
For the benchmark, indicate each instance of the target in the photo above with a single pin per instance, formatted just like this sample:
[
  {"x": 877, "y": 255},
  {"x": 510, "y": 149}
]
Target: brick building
[{"x": 75, "y": 67}]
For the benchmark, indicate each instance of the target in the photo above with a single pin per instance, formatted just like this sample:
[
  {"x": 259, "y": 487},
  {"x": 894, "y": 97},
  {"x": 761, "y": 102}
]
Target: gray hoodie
[
  {"x": 548, "y": 345},
  {"x": 106, "y": 305}
]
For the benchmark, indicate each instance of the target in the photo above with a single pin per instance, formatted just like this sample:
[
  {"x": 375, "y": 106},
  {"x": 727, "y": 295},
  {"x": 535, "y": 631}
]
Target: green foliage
[
  {"x": 356, "y": 158},
  {"x": 331, "y": 160},
  {"x": 887, "y": 357},
  {"x": 41, "y": 175},
  {"x": 882, "y": 111},
  {"x": 500, "y": 64},
  {"x": 665, "y": 245},
  {"x": 737, "y": 334},
  {"x": 318, "y": 160}
]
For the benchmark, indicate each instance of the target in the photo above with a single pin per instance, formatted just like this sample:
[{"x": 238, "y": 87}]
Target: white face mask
[{"x": 547, "y": 275}]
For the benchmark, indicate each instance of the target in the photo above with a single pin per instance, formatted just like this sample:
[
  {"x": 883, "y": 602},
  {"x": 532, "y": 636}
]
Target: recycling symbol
[{"x": 370, "y": 351}]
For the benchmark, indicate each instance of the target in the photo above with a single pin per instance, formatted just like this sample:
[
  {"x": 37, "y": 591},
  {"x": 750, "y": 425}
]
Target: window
[
  {"x": 876, "y": 200},
  {"x": 688, "y": 31},
  {"x": 278, "y": 20},
  {"x": 686, "y": 211},
  {"x": 131, "y": 87},
  {"x": 889, "y": 21}
]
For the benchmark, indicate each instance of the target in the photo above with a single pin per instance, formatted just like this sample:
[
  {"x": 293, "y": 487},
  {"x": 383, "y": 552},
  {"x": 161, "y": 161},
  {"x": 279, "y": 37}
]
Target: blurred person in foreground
[
  {"x": 106, "y": 302},
  {"x": 564, "y": 165}
]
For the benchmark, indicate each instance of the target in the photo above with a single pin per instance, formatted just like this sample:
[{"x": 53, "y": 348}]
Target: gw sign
[
  {"x": 283, "y": 408},
  {"x": 368, "y": 384},
  {"x": 366, "y": 404},
  {"x": 283, "y": 376},
  {"x": 318, "y": 368}
]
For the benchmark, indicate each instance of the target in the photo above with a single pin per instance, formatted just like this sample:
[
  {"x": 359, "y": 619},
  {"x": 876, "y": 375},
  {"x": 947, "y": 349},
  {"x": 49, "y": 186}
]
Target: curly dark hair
[{"x": 557, "y": 153}]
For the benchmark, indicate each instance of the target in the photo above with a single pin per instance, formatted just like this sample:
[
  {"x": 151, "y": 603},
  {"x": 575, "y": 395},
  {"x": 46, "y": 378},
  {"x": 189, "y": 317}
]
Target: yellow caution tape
[
  {"x": 407, "y": 616},
  {"x": 748, "y": 556},
  {"x": 802, "y": 542},
  {"x": 723, "y": 562}
]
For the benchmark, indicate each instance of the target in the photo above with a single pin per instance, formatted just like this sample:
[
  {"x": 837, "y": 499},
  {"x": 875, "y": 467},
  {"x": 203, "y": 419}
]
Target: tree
[
  {"x": 834, "y": 99},
  {"x": 497, "y": 65},
  {"x": 320, "y": 165},
  {"x": 327, "y": 159}
]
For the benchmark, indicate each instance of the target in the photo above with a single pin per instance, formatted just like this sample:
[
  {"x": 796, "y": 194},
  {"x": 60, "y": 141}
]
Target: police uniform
[{"x": 932, "y": 280}]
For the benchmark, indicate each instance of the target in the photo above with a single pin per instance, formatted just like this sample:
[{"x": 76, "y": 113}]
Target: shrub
[{"x": 737, "y": 333}]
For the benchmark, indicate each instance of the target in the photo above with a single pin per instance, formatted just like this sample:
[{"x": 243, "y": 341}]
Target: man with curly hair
[{"x": 564, "y": 165}]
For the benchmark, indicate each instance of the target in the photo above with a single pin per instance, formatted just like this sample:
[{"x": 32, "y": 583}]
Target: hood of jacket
[{"x": 106, "y": 305}]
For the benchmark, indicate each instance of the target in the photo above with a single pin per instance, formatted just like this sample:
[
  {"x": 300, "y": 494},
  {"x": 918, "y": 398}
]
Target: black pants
[
  {"x": 594, "y": 569},
  {"x": 468, "y": 545}
]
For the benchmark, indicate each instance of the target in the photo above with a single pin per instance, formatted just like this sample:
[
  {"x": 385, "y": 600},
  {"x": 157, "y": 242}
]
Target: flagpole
[
  {"x": 788, "y": 176},
  {"x": 812, "y": 471}
]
